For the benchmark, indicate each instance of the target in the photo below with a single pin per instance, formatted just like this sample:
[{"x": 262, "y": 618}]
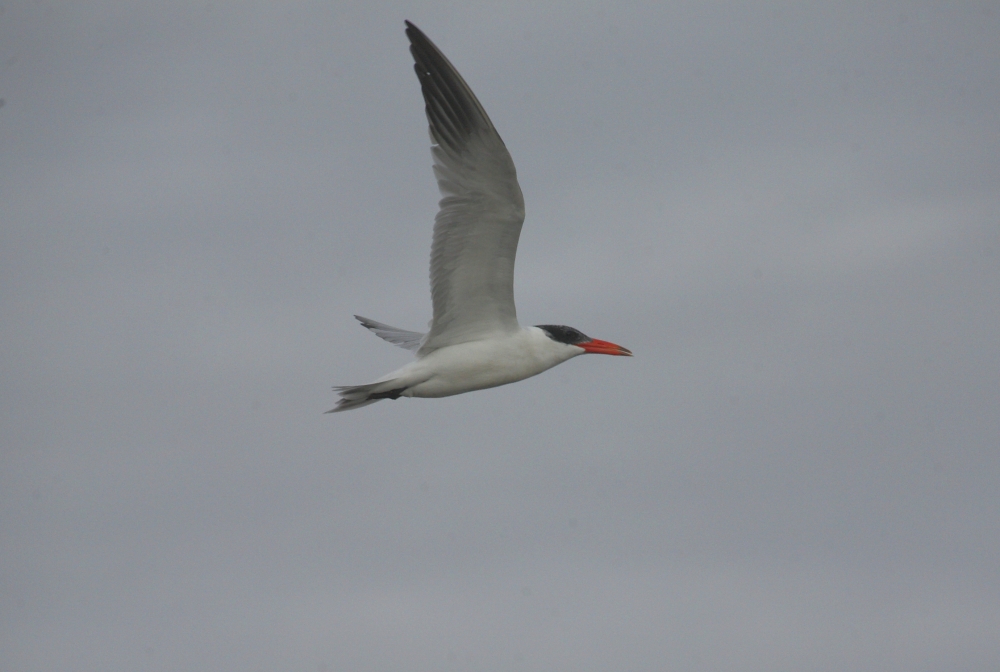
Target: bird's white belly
[{"x": 481, "y": 364}]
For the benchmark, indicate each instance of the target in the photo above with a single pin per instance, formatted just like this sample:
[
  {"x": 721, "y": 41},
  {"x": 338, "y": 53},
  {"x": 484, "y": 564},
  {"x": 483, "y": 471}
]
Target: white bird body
[
  {"x": 477, "y": 365},
  {"x": 475, "y": 341}
]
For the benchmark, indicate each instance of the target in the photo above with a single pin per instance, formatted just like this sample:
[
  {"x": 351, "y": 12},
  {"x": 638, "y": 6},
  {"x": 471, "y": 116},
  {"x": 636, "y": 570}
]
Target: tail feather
[{"x": 356, "y": 396}]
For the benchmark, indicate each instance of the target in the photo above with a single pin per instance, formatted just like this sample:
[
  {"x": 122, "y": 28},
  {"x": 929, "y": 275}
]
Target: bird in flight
[{"x": 475, "y": 341}]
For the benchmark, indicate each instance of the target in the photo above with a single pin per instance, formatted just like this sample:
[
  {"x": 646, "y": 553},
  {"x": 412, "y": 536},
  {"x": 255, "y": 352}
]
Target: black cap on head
[{"x": 563, "y": 334}]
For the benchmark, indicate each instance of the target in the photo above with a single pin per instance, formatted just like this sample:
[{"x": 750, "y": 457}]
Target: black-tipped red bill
[{"x": 597, "y": 347}]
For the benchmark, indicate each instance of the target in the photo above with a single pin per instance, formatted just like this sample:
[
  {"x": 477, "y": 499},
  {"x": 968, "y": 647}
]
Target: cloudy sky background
[{"x": 791, "y": 214}]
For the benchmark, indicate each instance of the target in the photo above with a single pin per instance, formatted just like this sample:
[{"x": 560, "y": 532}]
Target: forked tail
[{"x": 356, "y": 396}]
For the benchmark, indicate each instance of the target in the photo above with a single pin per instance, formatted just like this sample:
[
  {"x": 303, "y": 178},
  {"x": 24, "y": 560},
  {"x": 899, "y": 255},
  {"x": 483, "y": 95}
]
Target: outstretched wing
[
  {"x": 410, "y": 340},
  {"x": 477, "y": 227}
]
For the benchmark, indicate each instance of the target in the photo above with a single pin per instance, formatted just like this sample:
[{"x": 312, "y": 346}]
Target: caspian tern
[{"x": 475, "y": 341}]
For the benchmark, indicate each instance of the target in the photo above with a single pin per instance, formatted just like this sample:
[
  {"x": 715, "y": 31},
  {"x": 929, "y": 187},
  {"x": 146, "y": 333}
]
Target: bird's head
[{"x": 575, "y": 337}]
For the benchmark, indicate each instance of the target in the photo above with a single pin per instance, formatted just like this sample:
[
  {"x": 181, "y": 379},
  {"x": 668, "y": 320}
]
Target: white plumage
[{"x": 475, "y": 340}]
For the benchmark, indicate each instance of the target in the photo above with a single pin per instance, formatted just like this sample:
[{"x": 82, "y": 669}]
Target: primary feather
[
  {"x": 481, "y": 212},
  {"x": 409, "y": 340}
]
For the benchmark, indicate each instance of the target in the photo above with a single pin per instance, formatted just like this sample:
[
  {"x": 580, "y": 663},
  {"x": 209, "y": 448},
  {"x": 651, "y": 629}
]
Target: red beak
[{"x": 596, "y": 347}]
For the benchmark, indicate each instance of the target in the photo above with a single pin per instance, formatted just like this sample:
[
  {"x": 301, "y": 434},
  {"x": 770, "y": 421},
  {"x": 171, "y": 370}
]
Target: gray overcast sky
[{"x": 790, "y": 212}]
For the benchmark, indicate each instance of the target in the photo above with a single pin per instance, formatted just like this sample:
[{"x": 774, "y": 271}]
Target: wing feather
[
  {"x": 410, "y": 340},
  {"x": 481, "y": 212}
]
